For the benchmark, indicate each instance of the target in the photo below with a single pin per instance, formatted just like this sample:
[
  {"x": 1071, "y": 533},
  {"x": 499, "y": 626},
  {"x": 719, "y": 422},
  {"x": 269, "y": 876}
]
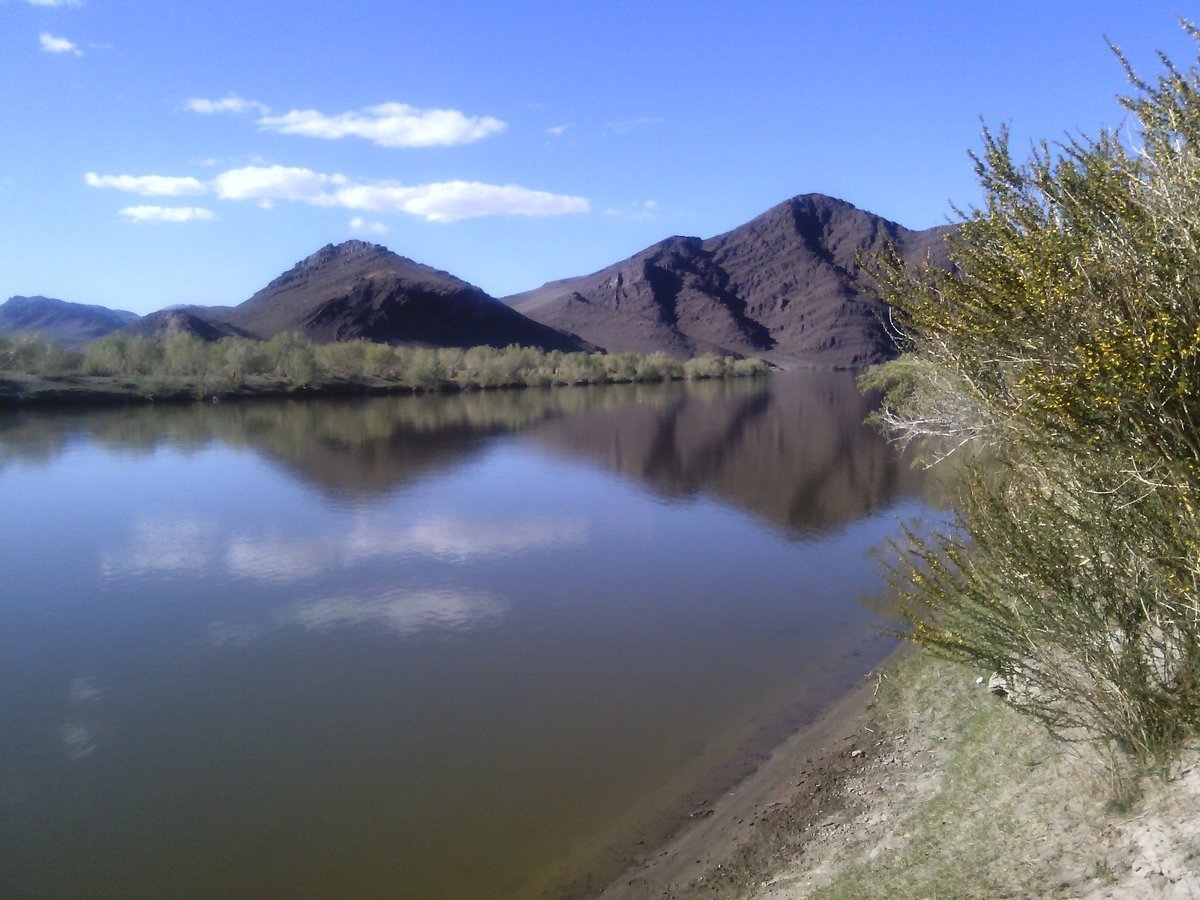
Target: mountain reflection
[{"x": 792, "y": 449}]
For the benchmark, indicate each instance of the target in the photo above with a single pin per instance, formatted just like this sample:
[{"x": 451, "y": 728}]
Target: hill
[
  {"x": 361, "y": 290},
  {"x": 69, "y": 324},
  {"x": 167, "y": 324},
  {"x": 785, "y": 286}
]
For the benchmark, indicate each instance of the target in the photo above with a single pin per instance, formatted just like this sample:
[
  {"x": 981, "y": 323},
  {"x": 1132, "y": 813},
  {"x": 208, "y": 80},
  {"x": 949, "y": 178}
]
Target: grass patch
[{"x": 977, "y": 809}]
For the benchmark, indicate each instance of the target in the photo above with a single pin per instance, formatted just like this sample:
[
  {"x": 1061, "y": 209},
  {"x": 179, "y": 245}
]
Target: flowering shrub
[{"x": 1060, "y": 358}]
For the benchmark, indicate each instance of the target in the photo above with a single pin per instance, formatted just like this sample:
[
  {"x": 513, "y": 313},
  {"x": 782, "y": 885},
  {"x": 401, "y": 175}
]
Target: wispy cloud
[
  {"x": 167, "y": 214},
  {"x": 360, "y": 225},
  {"x": 52, "y": 44},
  {"x": 557, "y": 130},
  {"x": 388, "y": 125},
  {"x": 231, "y": 104},
  {"x": 148, "y": 185},
  {"x": 452, "y": 201},
  {"x": 278, "y": 183},
  {"x": 627, "y": 125},
  {"x": 638, "y": 209},
  {"x": 446, "y": 201}
]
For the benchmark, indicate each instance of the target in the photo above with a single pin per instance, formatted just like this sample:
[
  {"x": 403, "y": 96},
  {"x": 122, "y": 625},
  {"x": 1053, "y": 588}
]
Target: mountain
[
  {"x": 785, "y": 286},
  {"x": 361, "y": 290},
  {"x": 69, "y": 324},
  {"x": 171, "y": 323}
]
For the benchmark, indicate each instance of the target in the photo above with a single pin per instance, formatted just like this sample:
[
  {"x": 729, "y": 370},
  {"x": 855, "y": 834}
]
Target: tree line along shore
[{"x": 126, "y": 368}]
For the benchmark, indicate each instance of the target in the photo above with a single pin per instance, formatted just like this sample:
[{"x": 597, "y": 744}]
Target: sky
[{"x": 159, "y": 152}]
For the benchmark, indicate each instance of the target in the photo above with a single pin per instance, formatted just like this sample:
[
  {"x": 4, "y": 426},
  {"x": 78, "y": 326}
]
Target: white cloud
[
  {"x": 231, "y": 104},
  {"x": 388, "y": 125},
  {"x": 278, "y": 183},
  {"x": 52, "y": 44},
  {"x": 362, "y": 226},
  {"x": 448, "y": 201},
  {"x": 453, "y": 201},
  {"x": 638, "y": 209},
  {"x": 557, "y": 130},
  {"x": 148, "y": 185},
  {"x": 167, "y": 214}
]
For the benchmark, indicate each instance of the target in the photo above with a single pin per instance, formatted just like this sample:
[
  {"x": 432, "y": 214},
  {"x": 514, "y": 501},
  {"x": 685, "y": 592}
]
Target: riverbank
[
  {"x": 921, "y": 783},
  {"x": 20, "y": 389}
]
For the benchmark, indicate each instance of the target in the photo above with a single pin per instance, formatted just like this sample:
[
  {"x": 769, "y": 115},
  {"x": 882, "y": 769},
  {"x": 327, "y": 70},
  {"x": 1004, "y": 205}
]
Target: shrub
[{"x": 1065, "y": 347}]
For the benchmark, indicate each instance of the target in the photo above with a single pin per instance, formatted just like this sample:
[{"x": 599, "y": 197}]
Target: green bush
[
  {"x": 1062, "y": 357},
  {"x": 32, "y": 353}
]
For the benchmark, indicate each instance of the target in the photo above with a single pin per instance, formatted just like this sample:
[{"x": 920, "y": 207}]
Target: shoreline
[
  {"x": 18, "y": 391},
  {"x": 921, "y": 783},
  {"x": 800, "y": 773}
]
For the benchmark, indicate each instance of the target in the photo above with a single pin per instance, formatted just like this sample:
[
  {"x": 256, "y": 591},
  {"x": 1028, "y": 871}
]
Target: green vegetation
[
  {"x": 994, "y": 809},
  {"x": 188, "y": 367},
  {"x": 1061, "y": 361}
]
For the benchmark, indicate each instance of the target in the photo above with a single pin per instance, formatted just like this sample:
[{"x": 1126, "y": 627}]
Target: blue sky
[{"x": 162, "y": 152}]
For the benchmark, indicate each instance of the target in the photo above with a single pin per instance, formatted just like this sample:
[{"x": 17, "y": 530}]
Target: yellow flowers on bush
[{"x": 1061, "y": 357}]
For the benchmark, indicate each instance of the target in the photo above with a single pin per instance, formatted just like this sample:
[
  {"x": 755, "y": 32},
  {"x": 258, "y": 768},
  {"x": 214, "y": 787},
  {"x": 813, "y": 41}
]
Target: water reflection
[
  {"x": 402, "y": 612},
  {"x": 792, "y": 449},
  {"x": 192, "y": 547},
  {"x": 166, "y": 545}
]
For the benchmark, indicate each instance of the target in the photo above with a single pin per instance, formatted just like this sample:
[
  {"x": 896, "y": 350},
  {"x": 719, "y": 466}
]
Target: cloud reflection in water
[
  {"x": 457, "y": 540},
  {"x": 163, "y": 546},
  {"x": 400, "y": 611},
  {"x": 185, "y": 546}
]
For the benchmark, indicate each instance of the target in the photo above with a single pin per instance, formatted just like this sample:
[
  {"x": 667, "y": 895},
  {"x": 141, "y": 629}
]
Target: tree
[{"x": 1061, "y": 357}]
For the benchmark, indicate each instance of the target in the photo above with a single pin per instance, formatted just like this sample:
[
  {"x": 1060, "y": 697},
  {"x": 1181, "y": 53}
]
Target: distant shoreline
[{"x": 20, "y": 390}]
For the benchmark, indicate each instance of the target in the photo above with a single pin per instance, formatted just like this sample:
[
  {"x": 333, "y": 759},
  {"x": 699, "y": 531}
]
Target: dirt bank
[{"x": 923, "y": 784}]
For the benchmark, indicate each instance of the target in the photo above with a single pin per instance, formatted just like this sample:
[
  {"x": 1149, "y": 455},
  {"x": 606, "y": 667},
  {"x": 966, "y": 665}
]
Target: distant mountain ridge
[
  {"x": 785, "y": 286},
  {"x": 69, "y": 324}
]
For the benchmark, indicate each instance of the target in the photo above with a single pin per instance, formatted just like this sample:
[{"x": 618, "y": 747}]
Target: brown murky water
[{"x": 466, "y": 646}]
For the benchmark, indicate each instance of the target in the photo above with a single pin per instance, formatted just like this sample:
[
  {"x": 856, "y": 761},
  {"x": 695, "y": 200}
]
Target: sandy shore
[
  {"x": 798, "y": 777},
  {"x": 921, "y": 783}
]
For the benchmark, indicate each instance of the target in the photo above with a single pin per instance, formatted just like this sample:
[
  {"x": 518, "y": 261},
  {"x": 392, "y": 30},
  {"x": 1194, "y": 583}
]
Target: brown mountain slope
[
  {"x": 785, "y": 286},
  {"x": 360, "y": 290}
]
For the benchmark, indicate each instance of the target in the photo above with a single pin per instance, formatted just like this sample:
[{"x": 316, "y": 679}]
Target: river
[{"x": 478, "y": 645}]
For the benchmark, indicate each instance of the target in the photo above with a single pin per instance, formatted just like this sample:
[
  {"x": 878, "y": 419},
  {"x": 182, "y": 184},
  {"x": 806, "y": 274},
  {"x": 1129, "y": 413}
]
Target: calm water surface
[{"x": 466, "y": 646}]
